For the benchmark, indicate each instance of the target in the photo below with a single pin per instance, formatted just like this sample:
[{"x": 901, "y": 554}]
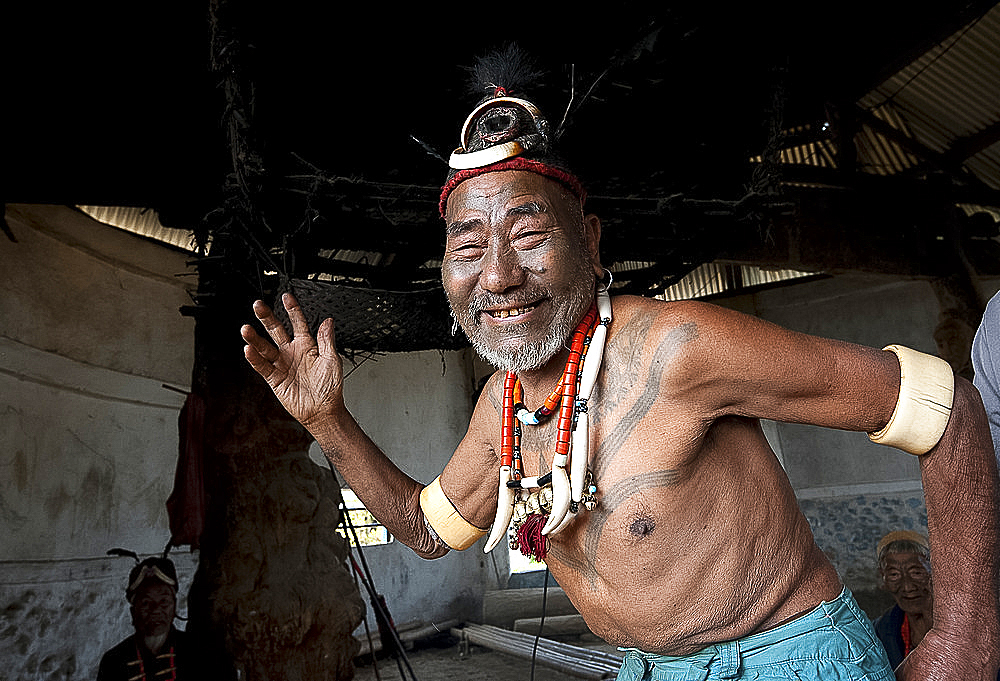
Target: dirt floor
[{"x": 446, "y": 660}]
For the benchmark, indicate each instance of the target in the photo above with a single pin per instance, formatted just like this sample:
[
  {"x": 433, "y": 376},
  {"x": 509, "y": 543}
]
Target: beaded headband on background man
[{"x": 506, "y": 131}]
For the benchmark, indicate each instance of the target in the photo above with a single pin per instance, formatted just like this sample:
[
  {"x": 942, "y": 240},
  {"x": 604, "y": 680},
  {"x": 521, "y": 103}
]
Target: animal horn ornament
[
  {"x": 559, "y": 494},
  {"x": 505, "y": 510}
]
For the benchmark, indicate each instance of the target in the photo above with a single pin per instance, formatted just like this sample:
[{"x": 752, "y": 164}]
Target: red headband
[{"x": 517, "y": 163}]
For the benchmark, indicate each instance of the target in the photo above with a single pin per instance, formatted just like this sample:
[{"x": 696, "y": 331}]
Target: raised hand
[{"x": 306, "y": 374}]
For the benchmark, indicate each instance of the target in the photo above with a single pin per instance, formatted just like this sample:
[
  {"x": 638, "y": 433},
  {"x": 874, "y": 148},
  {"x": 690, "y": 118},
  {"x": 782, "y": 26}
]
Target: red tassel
[{"x": 530, "y": 539}]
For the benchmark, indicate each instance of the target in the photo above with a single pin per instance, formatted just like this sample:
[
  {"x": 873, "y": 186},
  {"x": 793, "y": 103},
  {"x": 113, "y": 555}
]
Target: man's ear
[{"x": 592, "y": 232}]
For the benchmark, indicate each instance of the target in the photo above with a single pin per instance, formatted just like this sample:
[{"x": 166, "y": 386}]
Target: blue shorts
[{"x": 834, "y": 641}]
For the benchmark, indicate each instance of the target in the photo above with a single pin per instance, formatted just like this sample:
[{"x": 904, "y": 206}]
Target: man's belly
[{"x": 671, "y": 563}]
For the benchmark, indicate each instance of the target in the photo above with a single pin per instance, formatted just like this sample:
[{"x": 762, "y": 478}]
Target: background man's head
[
  {"x": 152, "y": 594},
  {"x": 904, "y": 564}
]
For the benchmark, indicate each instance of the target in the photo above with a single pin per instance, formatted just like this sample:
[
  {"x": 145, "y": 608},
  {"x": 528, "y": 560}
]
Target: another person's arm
[
  {"x": 307, "y": 378},
  {"x": 985, "y": 363}
]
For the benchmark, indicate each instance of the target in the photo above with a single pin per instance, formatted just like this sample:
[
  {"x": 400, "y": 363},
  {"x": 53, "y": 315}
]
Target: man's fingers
[
  {"x": 295, "y": 315},
  {"x": 262, "y": 346},
  {"x": 326, "y": 341},
  {"x": 273, "y": 327},
  {"x": 258, "y": 362}
]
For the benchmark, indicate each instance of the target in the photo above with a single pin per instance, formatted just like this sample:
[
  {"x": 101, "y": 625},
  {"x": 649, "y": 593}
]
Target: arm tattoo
[{"x": 438, "y": 543}]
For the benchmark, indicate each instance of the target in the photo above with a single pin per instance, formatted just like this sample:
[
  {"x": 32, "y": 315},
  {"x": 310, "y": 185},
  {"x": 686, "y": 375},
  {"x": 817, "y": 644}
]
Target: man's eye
[
  {"x": 466, "y": 247},
  {"x": 530, "y": 235}
]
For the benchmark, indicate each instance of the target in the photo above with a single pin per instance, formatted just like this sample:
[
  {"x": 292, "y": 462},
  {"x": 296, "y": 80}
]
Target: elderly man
[
  {"x": 904, "y": 566},
  {"x": 157, "y": 650},
  {"x": 621, "y": 439}
]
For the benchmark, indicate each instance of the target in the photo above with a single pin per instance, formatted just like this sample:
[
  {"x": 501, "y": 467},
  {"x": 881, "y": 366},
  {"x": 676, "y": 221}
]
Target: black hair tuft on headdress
[
  {"x": 124, "y": 553},
  {"x": 509, "y": 67},
  {"x": 156, "y": 567}
]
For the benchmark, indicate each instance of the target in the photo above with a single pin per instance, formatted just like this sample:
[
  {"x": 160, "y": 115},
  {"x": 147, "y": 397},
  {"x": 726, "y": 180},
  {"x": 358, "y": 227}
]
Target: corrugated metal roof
[
  {"x": 713, "y": 279},
  {"x": 950, "y": 93},
  {"x": 142, "y": 221}
]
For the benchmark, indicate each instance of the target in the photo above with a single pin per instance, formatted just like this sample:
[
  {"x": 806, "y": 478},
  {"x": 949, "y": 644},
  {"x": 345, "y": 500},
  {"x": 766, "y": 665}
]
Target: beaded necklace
[
  {"x": 171, "y": 669},
  {"x": 542, "y": 506}
]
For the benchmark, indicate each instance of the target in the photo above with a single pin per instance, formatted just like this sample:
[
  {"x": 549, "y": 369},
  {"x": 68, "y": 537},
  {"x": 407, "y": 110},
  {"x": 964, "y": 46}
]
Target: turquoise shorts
[{"x": 834, "y": 641}]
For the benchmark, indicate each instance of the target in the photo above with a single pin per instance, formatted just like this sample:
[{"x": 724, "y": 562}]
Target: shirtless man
[{"x": 696, "y": 554}]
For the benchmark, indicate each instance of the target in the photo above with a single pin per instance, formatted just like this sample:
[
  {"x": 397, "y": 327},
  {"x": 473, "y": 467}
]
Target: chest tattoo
[
  {"x": 624, "y": 426},
  {"x": 585, "y": 561}
]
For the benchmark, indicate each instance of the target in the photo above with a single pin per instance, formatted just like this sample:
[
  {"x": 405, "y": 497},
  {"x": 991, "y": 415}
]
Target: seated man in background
[
  {"x": 156, "y": 650},
  {"x": 904, "y": 565}
]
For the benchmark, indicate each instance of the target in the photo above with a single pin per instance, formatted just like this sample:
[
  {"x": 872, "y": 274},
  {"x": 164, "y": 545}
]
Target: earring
[{"x": 610, "y": 278}]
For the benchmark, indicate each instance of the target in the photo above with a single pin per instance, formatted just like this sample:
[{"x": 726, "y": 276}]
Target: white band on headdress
[
  {"x": 150, "y": 571},
  {"x": 484, "y": 157},
  {"x": 926, "y": 393}
]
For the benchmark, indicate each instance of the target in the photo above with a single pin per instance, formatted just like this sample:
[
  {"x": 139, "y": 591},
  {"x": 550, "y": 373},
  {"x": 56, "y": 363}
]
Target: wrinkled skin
[
  {"x": 698, "y": 537},
  {"x": 519, "y": 267},
  {"x": 153, "y": 608},
  {"x": 907, "y": 577}
]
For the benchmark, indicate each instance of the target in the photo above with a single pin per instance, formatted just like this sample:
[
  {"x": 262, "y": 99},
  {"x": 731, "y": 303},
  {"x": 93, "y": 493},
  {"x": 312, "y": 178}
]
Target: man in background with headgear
[
  {"x": 620, "y": 440},
  {"x": 904, "y": 567},
  {"x": 156, "y": 650}
]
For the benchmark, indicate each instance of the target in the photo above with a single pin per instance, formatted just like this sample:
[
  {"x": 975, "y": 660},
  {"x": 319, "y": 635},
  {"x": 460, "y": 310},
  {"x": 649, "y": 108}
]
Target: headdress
[
  {"x": 901, "y": 535},
  {"x": 506, "y": 130},
  {"x": 154, "y": 567}
]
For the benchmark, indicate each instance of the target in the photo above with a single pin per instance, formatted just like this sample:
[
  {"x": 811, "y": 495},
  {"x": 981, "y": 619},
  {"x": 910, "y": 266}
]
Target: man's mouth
[{"x": 513, "y": 312}]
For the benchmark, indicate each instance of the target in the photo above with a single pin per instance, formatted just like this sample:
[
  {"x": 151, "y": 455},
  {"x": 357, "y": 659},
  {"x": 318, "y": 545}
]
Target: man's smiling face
[{"x": 519, "y": 267}]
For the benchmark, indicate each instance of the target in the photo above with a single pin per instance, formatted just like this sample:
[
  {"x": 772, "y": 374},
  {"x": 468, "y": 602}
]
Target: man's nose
[{"x": 502, "y": 270}]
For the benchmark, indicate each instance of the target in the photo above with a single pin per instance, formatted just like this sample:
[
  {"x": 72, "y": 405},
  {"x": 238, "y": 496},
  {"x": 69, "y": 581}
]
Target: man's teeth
[{"x": 503, "y": 314}]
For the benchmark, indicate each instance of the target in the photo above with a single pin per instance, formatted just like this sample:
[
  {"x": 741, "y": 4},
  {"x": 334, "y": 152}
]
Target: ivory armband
[
  {"x": 926, "y": 392},
  {"x": 442, "y": 515}
]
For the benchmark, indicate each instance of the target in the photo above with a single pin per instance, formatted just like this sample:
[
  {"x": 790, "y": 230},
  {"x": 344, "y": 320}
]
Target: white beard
[{"x": 533, "y": 354}]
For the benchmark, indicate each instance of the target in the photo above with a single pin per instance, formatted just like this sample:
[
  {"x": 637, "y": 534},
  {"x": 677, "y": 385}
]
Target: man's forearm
[
  {"x": 387, "y": 492},
  {"x": 960, "y": 482}
]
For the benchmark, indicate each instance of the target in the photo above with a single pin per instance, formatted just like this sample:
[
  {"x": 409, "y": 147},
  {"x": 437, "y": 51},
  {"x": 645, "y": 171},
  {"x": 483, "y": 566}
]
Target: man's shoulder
[
  {"x": 125, "y": 645},
  {"x": 652, "y": 318},
  {"x": 116, "y": 656},
  {"x": 628, "y": 306}
]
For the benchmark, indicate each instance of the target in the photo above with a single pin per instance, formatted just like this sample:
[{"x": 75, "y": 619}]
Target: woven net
[{"x": 371, "y": 320}]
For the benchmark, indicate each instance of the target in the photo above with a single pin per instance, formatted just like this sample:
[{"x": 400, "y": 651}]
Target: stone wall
[{"x": 847, "y": 529}]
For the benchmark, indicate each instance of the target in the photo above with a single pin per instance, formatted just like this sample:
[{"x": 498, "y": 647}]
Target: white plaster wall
[
  {"x": 872, "y": 310},
  {"x": 416, "y": 407},
  {"x": 851, "y": 490},
  {"x": 90, "y": 333}
]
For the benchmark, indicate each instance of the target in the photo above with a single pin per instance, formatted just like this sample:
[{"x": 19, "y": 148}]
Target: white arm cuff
[
  {"x": 445, "y": 520},
  {"x": 926, "y": 392}
]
